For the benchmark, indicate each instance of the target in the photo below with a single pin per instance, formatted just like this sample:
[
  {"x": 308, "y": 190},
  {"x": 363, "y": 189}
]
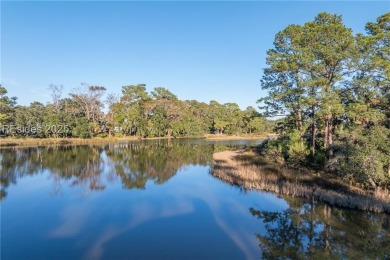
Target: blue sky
[{"x": 198, "y": 50}]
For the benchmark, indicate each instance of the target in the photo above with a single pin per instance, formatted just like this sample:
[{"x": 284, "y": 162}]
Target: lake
[{"x": 158, "y": 199}]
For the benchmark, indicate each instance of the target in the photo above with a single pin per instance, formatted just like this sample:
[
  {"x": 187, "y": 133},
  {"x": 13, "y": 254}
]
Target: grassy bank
[
  {"x": 214, "y": 137},
  {"x": 250, "y": 170},
  {"x": 26, "y": 142}
]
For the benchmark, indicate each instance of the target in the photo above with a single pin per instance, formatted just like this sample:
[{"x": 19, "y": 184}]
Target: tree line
[
  {"x": 333, "y": 90},
  {"x": 89, "y": 111}
]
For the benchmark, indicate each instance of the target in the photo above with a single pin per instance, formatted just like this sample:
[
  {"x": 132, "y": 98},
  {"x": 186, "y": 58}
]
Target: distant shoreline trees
[{"x": 135, "y": 113}]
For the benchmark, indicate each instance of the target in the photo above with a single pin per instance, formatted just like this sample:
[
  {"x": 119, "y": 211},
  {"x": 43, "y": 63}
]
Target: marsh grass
[
  {"x": 28, "y": 142},
  {"x": 250, "y": 170}
]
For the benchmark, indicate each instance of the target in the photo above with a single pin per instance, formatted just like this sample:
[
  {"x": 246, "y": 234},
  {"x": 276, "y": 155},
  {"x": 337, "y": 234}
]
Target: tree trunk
[
  {"x": 330, "y": 139},
  {"x": 299, "y": 126},
  {"x": 313, "y": 131},
  {"x": 313, "y": 138},
  {"x": 328, "y": 134},
  {"x": 388, "y": 170},
  {"x": 299, "y": 120}
]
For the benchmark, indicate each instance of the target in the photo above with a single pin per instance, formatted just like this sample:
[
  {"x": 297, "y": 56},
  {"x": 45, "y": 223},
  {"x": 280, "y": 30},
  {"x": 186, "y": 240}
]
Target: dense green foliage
[
  {"x": 134, "y": 113},
  {"x": 333, "y": 90}
]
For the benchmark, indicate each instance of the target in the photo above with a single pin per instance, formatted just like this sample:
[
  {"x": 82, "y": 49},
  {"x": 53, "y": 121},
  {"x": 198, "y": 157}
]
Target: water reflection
[
  {"x": 17, "y": 164},
  {"x": 190, "y": 216},
  {"x": 94, "y": 166},
  {"x": 136, "y": 163},
  {"x": 80, "y": 165},
  {"x": 308, "y": 230}
]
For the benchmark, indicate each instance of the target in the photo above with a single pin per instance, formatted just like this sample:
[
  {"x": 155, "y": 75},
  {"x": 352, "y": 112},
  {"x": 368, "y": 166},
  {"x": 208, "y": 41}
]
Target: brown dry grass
[
  {"x": 26, "y": 142},
  {"x": 212, "y": 137},
  {"x": 247, "y": 169}
]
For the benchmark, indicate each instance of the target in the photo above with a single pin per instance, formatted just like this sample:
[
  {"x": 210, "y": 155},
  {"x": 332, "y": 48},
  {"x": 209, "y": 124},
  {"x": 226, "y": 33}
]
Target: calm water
[{"x": 159, "y": 200}]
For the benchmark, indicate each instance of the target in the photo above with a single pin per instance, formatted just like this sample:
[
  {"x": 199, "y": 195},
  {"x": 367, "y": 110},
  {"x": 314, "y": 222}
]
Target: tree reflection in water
[
  {"x": 14, "y": 165},
  {"x": 94, "y": 166},
  {"x": 305, "y": 230},
  {"x": 137, "y": 163},
  {"x": 311, "y": 231},
  {"x": 81, "y": 165}
]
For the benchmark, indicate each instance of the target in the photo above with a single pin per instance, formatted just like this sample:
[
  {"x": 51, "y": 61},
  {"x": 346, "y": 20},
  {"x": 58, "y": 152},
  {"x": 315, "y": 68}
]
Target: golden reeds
[{"x": 252, "y": 171}]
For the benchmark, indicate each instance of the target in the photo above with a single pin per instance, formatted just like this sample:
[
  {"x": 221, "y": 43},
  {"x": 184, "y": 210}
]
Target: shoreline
[
  {"x": 247, "y": 169},
  {"x": 28, "y": 142},
  {"x": 214, "y": 137}
]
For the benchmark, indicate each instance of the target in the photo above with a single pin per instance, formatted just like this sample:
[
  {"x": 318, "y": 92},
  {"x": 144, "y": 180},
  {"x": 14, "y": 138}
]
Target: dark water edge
[{"x": 157, "y": 200}]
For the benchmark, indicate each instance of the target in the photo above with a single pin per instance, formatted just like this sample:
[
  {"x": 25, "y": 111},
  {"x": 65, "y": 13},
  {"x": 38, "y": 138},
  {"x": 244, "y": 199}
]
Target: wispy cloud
[{"x": 9, "y": 81}]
